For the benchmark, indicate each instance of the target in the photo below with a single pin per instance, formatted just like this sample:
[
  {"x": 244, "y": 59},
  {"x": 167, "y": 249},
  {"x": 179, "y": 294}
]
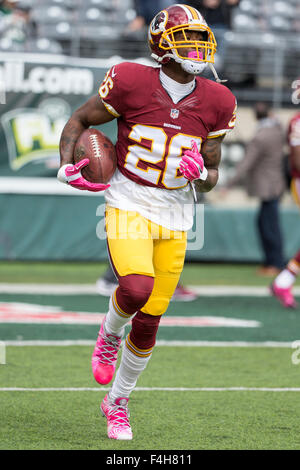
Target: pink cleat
[
  {"x": 284, "y": 296},
  {"x": 183, "y": 294},
  {"x": 117, "y": 415},
  {"x": 105, "y": 356}
]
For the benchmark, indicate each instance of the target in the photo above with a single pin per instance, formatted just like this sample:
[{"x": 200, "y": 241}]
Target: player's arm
[
  {"x": 211, "y": 154},
  {"x": 92, "y": 113}
]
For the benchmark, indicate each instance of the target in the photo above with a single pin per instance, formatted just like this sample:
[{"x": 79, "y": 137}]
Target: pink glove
[
  {"x": 71, "y": 174},
  {"x": 192, "y": 164}
]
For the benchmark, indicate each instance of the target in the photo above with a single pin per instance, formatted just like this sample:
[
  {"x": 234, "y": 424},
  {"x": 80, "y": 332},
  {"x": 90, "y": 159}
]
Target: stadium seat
[
  {"x": 248, "y": 7},
  {"x": 284, "y": 9},
  {"x": 7, "y": 45},
  {"x": 74, "y": 4},
  {"x": 279, "y": 23},
  {"x": 59, "y": 31},
  {"x": 95, "y": 15},
  {"x": 242, "y": 22},
  {"x": 115, "y": 5},
  {"x": 94, "y": 33},
  {"x": 51, "y": 14},
  {"x": 44, "y": 45},
  {"x": 92, "y": 15}
]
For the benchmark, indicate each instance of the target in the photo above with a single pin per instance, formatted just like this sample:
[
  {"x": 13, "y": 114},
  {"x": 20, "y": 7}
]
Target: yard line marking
[
  {"x": 154, "y": 389},
  {"x": 164, "y": 343},
  {"x": 60, "y": 289},
  {"x": 239, "y": 291},
  {"x": 79, "y": 289}
]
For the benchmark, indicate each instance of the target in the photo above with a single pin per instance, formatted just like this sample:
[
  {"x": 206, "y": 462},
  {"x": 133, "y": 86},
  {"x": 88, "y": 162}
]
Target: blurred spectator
[
  {"x": 145, "y": 11},
  {"x": 15, "y": 23},
  {"x": 217, "y": 14},
  {"x": 261, "y": 170},
  {"x": 283, "y": 284}
]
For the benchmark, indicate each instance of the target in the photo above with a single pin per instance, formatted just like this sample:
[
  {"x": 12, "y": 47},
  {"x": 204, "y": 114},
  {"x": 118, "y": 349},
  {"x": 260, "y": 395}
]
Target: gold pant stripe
[
  {"x": 138, "y": 352},
  {"x": 117, "y": 308}
]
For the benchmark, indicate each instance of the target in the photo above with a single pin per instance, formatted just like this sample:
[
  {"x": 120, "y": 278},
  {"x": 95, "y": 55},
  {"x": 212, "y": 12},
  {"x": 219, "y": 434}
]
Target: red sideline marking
[{"x": 32, "y": 313}]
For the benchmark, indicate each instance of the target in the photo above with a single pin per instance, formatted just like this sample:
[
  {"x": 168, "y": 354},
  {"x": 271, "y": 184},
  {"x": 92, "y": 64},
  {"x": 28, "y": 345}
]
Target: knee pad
[
  {"x": 133, "y": 292},
  {"x": 156, "y": 306},
  {"x": 144, "y": 329}
]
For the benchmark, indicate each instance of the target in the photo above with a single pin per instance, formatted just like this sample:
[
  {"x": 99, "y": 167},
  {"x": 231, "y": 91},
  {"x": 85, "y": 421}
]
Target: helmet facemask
[{"x": 192, "y": 54}]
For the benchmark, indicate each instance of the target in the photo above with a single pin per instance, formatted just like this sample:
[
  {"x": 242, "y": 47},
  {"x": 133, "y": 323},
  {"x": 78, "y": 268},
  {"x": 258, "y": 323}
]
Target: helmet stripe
[
  {"x": 188, "y": 11},
  {"x": 194, "y": 12}
]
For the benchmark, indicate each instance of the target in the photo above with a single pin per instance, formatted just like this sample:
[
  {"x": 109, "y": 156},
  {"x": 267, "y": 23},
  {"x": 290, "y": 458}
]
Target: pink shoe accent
[
  {"x": 284, "y": 296},
  {"x": 105, "y": 356},
  {"x": 117, "y": 415},
  {"x": 183, "y": 294}
]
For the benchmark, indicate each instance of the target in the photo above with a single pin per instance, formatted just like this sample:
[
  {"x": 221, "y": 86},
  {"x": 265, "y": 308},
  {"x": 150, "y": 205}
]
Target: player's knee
[
  {"x": 144, "y": 329},
  {"x": 134, "y": 291}
]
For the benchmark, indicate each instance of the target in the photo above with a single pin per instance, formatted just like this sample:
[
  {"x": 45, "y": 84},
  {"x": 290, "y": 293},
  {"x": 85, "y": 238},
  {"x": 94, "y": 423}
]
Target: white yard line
[
  {"x": 60, "y": 289},
  {"x": 79, "y": 289},
  {"x": 153, "y": 389},
  {"x": 221, "y": 344},
  {"x": 90, "y": 289}
]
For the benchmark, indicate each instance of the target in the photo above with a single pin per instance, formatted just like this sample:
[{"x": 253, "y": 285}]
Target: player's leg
[
  {"x": 270, "y": 236},
  {"x": 168, "y": 259},
  {"x": 130, "y": 249},
  {"x": 282, "y": 285}
]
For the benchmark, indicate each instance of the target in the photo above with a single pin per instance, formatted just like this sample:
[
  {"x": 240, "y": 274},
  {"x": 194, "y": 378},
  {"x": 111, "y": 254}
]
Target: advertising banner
[{"x": 38, "y": 95}]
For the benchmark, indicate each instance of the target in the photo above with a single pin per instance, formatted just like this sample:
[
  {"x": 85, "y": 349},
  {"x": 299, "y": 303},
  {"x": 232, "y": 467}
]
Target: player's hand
[
  {"x": 192, "y": 164},
  {"x": 71, "y": 174}
]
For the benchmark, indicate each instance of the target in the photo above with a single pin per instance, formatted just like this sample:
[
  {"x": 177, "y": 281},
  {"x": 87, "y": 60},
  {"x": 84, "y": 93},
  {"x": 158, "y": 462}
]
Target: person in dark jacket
[{"x": 261, "y": 173}]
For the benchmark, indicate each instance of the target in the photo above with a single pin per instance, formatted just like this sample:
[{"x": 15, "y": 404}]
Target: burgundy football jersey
[
  {"x": 294, "y": 139},
  {"x": 153, "y": 131}
]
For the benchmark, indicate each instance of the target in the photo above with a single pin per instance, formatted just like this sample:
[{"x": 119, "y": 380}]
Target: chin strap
[
  {"x": 218, "y": 80},
  {"x": 171, "y": 56}
]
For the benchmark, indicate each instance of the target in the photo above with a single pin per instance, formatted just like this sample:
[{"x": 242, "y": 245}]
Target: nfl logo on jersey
[{"x": 174, "y": 113}]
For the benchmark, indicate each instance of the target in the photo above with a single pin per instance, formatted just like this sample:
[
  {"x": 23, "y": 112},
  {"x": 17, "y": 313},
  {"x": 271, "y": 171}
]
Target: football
[{"x": 96, "y": 146}]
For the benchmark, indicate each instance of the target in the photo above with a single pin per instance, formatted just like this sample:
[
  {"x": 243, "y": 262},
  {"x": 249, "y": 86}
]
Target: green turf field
[
  {"x": 205, "y": 391},
  {"x": 186, "y": 419},
  {"x": 85, "y": 273}
]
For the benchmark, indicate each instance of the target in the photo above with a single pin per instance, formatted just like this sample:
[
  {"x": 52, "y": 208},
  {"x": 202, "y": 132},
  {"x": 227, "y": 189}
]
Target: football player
[
  {"x": 171, "y": 123},
  {"x": 283, "y": 283}
]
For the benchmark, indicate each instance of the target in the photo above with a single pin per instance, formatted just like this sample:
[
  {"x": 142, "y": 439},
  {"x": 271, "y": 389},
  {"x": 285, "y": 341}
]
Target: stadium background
[{"x": 46, "y": 75}]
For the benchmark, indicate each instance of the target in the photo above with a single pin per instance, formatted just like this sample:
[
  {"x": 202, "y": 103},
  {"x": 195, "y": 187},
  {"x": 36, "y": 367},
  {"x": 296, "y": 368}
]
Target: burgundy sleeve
[
  {"x": 110, "y": 90},
  {"x": 226, "y": 114}
]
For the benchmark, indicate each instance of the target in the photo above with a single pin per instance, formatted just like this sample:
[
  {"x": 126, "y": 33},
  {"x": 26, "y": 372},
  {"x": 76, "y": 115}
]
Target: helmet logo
[{"x": 159, "y": 22}]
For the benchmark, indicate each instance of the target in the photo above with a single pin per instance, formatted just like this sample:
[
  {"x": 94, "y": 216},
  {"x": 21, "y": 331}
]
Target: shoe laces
[
  {"x": 119, "y": 414},
  {"x": 109, "y": 349}
]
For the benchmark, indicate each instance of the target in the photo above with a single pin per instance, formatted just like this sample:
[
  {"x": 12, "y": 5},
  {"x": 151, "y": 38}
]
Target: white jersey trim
[
  {"x": 218, "y": 133},
  {"x": 110, "y": 109}
]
